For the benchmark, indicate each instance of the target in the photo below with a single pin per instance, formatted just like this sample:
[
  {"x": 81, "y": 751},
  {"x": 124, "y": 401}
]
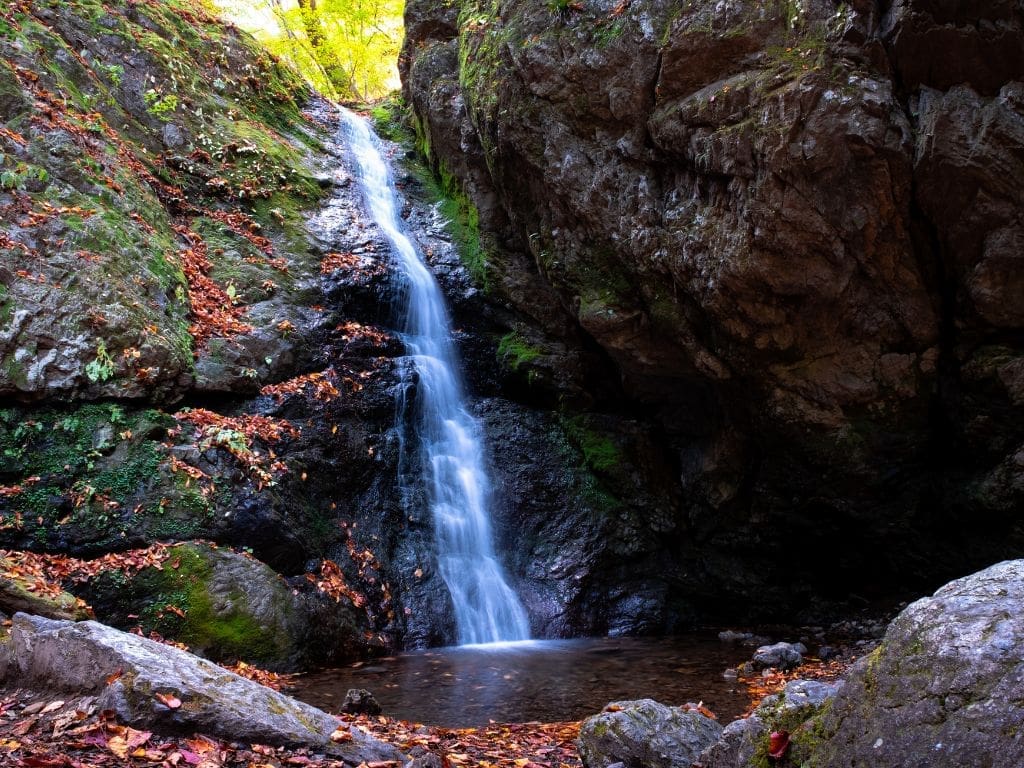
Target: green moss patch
[
  {"x": 178, "y": 602},
  {"x": 515, "y": 352}
]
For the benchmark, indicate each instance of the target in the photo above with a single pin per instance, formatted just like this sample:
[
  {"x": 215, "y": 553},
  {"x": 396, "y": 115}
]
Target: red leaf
[{"x": 778, "y": 743}]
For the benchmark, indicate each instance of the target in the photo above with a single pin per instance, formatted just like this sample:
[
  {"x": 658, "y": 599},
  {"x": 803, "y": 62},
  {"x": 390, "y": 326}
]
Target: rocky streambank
[
  {"x": 197, "y": 368},
  {"x": 717, "y": 383},
  {"x": 196, "y": 389},
  {"x": 942, "y": 689}
]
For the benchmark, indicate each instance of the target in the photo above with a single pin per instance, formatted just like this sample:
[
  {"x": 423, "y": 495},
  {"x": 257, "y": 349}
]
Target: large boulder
[
  {"x": 645, "y": 734},
  {"x": 228, "y": 606},
  {"x": 747, "y": 741},
  {"x": 946, "y": 687},
  {"x": 134, "y": 676}
]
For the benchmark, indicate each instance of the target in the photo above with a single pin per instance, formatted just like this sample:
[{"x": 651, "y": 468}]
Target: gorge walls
[{"x": 770, "y": 252}]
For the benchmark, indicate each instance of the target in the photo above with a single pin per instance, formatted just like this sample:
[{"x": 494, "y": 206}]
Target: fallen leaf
[
  {"x": 168, "y": 700},
  {"x": 341, "y": 735},
  {"x": 118, "y": 746},
  {"x": 778, "y": 743},
  {"x": 114, "y": 677}
]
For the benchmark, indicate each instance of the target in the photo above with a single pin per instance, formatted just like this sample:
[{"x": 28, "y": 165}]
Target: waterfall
[{"x": 486, "y": 609}]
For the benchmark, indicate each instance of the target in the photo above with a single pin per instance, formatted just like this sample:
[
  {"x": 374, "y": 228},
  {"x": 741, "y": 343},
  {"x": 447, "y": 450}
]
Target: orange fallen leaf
[
  {"x": 341, "y": 735},
  {"x": 168, "y": 700}
]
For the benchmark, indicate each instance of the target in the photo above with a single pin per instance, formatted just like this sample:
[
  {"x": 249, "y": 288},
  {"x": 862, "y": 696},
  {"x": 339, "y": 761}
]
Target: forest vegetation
[{"x": 347, "y": 49}]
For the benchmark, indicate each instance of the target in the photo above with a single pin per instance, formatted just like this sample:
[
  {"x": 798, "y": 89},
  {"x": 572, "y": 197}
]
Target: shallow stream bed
[{"x": 540, "y": 680}]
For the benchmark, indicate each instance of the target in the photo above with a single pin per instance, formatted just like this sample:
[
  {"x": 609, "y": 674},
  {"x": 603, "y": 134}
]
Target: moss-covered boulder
[
  {"x": 98, "y": 477},
  {"x": 228, "y": 607},
  {"x": 153, "y": 171},
  {"x": 20, "y": 593},
  {"x": 946, "y": 687}
]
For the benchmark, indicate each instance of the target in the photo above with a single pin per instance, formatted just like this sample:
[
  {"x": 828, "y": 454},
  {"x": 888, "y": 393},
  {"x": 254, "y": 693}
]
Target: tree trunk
[{"x": 311, "y": 21}]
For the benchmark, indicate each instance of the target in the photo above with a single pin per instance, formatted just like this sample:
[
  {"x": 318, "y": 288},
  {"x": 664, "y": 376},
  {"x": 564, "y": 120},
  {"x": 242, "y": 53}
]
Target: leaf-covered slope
[
  {"x": 151, "y": 177},
  {"x": 158, "y": 243}
]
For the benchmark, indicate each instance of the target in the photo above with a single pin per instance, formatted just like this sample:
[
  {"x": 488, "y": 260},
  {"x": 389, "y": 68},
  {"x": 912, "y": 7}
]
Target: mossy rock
[
  {"x": 92, "y": 478},
  {"x": 13, "y": 101},
  {"x": 223, "y": 605},
  {"x": 16, "y": 595}
]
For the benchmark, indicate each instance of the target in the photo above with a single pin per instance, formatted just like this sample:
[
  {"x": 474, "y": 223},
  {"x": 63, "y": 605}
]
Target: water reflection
[{"x": 545, "y": 680}]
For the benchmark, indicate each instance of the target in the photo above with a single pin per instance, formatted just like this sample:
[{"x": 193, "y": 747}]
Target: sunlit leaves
[{"x": 347, "y": 48}]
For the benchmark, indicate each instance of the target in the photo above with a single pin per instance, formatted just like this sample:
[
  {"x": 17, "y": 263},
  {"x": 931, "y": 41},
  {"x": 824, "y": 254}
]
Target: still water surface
[{"x": 542, "y": 680}]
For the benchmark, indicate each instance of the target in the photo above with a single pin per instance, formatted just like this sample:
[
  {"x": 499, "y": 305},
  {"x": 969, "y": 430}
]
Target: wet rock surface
[
  {"x": 359, "y": 701},
  {"x": 779, "y": 656},
  {"x": 744, "y": 228}
]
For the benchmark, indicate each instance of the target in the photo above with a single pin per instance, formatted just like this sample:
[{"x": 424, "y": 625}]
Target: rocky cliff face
[
  {"x": 782, "y": 242},
  {"x": 187, "y": 339},
  {"x": 739, "y": 311}
]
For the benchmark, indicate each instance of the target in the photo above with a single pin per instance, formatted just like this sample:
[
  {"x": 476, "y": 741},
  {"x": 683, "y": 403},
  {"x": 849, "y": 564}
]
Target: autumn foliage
[
  {"x": 213, "y": 311},
  {"x": 236, "y": 434},
  {"x": 322, "y": 385}
]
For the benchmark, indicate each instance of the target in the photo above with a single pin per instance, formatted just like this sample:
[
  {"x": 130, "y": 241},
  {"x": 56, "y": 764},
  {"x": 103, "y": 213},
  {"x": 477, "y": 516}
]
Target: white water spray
[{"x": 487, "y": 610}]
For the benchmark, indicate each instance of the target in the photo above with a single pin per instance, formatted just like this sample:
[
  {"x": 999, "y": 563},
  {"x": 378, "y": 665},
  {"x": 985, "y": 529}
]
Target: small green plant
[
  {"x": 115, "y": 72},
  {"x": 515, "y": 352},
  {"x": 606, "y": 33},
  {"x": 560, "y": 6},
  {"x": 160, "y": 106},
  {"x": 21, "y": 174},
  {"x": 101, "y": 368}
]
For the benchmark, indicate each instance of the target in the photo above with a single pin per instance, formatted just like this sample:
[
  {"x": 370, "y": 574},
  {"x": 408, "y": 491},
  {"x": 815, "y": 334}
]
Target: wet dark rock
[
  {"x": 83, "y": 656},
  {"x": 359, "y": 701},
  {"x": 944, "y": 687},
  {"x": 742, "y": 638},
  {"x": 779, "y": 656},
  {"x": 597, "y": 566},
  {"x": 743, "y": 216},
  {"x": 645, "y": 733}
]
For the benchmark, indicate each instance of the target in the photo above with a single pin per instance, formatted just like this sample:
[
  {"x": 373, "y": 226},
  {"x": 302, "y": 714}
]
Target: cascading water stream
[{"x": 487, "y": 610}]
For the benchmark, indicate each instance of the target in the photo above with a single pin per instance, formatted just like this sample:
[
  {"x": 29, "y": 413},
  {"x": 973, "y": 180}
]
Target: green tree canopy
[{"x": 346, "y": 48}]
